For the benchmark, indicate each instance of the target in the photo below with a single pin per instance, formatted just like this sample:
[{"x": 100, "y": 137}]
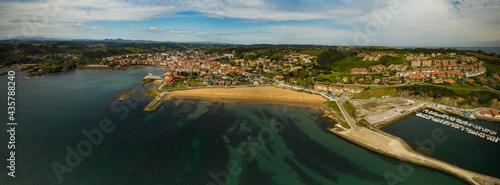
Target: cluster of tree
[
  {"x": 475, "y": 98},
  {"x": 328, "y": 58},
  {"x": 88, "y": 52},
  {"x": 428, "y": 90}
]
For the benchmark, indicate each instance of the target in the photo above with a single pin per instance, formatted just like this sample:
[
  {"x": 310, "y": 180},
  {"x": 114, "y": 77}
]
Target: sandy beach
[{"x": 252, "y": 94}]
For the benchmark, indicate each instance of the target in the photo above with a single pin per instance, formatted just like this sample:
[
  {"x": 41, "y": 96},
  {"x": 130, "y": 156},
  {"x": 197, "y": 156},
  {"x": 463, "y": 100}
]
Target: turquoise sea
[{"x": 186, "y": 142}]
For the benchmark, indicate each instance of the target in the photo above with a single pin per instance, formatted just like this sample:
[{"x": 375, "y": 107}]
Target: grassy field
[
  {"x": 461, "y": 89},
  {"x": 345, "y": 125},
  {"x": 178, "y": 85},
  {"x": 362, "y": 123},
  {"x": 376, "y": 93},
  {"x": 312, "y": 52},
  {"x": 350, "y": 109},
  {"x": 333, "y": 105},
  {"x": 345, "y": 65},
  {"x": 492, "y": 67},
  {"x": 458, "y": 86},
  {"x": 280, "y": 54},
  {"x": 196, "y": 84},
  {"x": 136, "y": 50}
]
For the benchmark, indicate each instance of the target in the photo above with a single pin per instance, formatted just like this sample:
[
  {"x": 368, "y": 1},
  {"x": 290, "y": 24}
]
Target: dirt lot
[{"x": 366, "y": 108}]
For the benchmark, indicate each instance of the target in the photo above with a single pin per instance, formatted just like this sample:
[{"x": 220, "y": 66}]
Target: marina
[{"x": 459, "y": 124}]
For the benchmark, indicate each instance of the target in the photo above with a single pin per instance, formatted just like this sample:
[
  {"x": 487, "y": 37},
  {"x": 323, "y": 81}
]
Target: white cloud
[
  {"x": 76, "y": 24},
  {"x": 422, "y": 22},
  {"x": 96, "y": 28},
  {"x": 438, "y": 23},
  {"x": 157, "y": 30}
]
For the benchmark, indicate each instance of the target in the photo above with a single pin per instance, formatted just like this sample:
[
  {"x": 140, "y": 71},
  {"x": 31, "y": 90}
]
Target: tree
[
  {"x": 304, "y": 74},
  {"x": 314, "y": 73}
]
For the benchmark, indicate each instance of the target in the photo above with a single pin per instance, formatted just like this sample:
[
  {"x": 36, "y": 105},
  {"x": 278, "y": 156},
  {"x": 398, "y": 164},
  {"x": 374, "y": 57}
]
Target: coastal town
[
  {"x": 211, "y": 92},
  {"x": 362, "y": 97},
  {"x": 226, "y": 70}
]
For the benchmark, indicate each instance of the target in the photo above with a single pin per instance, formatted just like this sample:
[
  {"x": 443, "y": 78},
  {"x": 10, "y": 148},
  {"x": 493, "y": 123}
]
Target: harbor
[{"x": 459, "y": 124}]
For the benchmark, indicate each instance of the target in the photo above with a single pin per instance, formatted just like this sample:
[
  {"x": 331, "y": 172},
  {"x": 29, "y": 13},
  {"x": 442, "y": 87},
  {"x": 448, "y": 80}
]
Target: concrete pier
[
  {"x": 153, "y": 105},
  {"x": 393, "y": 146},
  {"x": 151, "y": 77}
]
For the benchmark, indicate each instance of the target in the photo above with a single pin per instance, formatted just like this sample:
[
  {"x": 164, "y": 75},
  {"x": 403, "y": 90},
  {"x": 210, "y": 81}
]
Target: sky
[{"x": 431, "y": 23}]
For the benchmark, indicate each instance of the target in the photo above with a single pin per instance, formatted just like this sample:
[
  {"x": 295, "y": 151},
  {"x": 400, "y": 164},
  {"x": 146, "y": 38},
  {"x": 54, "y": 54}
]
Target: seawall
[{"x": 392, "y": 146}]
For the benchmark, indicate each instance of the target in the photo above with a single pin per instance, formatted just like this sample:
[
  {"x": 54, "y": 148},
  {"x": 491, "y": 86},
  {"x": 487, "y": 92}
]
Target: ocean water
[
  {"x": 495, "y": 50},
  {"x": 185, "y": 142},
  {"x": 459, "y": 148}
]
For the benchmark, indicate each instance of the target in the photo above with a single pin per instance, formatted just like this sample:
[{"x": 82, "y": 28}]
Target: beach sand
[{"x": 268, "y": 94}]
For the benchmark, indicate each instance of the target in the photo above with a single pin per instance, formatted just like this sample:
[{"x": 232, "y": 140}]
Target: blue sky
[{"x": 338, "y": 22}]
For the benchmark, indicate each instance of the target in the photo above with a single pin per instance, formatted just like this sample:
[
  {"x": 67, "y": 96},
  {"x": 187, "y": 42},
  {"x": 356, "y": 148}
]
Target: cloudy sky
[{"x": 330, "y": 22}]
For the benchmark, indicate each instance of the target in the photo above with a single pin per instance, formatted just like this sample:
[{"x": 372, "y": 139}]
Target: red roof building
[
  {"x": 169, "y": 82},
  {"x": 495, "y": 113},
  {"x": 487, "y": 113}
]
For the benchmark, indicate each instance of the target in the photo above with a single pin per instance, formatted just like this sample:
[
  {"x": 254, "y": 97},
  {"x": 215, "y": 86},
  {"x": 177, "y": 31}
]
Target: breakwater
[
  {"x": 392, "y": 146},
  {"x": 153, "y": 105}
]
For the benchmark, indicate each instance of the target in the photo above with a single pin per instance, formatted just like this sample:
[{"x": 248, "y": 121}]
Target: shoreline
[{"x": 23, "y": 67}]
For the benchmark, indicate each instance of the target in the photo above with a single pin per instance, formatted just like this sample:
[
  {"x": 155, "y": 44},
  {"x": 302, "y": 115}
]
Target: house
[
  {"x": 495, "y": 113},
  {"x": 378, "y": 68},
  {"x": 345, "y": 79},
  {"x": 359, "y": 71},
  {"x": 397, "y": 80},
  {"x": 335, "y": 89},
  {"x": 295, "y": 68},
  {"x": 418, "y": 78},
  {"x": 168, "y": 74},
  {"x": 337, "y": 79},
  {"x": 451, "y": 81},
  {"x": 361, "y": 80},
  {"x": 437, "y": 81},
  {"x": 486, "y": 113},
  {"x": 416, "y": 63},
  {"x": 321, "y": 87},
  {"x": 376, "y": 81},
  {"x": 278, "y": 78},
  {"x": 470, "y": 81},
  {"x": 353, "y": 89},
  {"x": 169, "y": 82}
]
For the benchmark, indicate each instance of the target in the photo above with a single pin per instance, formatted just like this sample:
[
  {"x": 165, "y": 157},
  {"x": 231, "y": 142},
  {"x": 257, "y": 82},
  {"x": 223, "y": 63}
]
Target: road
[
  {"x": 397, "y": 148},
  {"x": 347, "y": 117},
  {"x": 339, "y": 100}
]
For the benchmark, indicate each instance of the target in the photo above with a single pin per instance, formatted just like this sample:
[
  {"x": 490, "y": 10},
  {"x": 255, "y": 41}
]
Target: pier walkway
[
  {"x": 395, "y": 147},
  {"x": 153, "y": 105},
  {"x": 151, "y": 77}
]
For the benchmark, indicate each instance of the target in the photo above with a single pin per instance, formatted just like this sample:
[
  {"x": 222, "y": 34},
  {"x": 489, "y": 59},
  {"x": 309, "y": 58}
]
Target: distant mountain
[{"x": 35, "y": 38}]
